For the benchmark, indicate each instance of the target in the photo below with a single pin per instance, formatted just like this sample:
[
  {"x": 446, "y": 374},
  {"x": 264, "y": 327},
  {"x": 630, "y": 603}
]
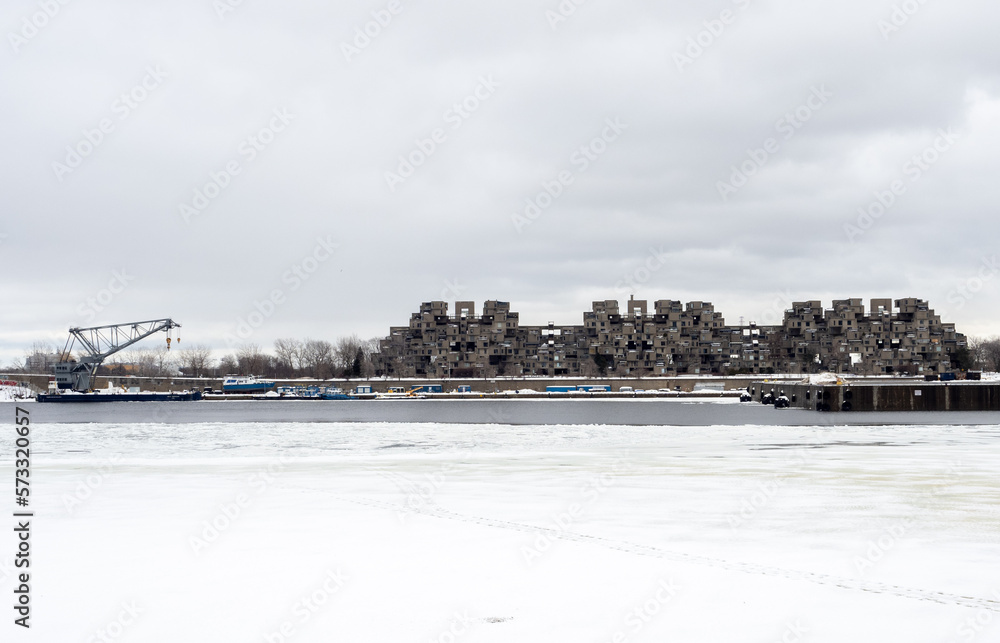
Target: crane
[{"x": 98, "y": 343}]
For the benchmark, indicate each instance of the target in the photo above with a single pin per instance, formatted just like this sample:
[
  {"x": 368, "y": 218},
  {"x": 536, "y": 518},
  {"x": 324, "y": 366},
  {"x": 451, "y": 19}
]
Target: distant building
[
  {"x": 904, "y": 336},
  {"x": 39, "y": 362}
]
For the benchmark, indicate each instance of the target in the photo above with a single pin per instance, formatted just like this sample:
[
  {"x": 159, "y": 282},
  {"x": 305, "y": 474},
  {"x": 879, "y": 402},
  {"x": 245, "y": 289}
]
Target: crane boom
[{"x": 99, "y": 343}]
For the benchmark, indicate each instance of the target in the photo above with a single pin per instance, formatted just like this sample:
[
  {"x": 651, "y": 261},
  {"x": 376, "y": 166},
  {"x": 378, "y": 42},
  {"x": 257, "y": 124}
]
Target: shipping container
[{"x": 427, "y": 388}]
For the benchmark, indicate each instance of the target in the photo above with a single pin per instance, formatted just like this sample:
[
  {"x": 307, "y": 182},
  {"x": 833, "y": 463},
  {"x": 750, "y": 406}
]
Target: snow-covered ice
[{"x": 454, "y": 533}]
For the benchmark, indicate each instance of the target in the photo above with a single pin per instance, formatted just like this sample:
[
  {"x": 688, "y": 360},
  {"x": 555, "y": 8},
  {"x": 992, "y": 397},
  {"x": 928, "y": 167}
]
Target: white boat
[{"x": 246, "y": 384}]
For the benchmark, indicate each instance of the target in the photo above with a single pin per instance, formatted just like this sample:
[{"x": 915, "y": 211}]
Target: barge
[{"x": 103, "y": 396}]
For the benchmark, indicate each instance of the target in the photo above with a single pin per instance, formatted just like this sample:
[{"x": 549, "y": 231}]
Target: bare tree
[
  {"x": 288, "y": 356},
  {"x": 196, "y": 360},
  {"x": 228, "y": 365},
  {"x": 163, "y": 361},
  {"x": 588, "y": 368},
  {"x": 371, "y": 346},
  {"x": 141, "y": 362},
  {"x": 318, "y": 358},
  {"x": 987, "y": 353},
  {"x": 975, "y": 346},
  {"x": 346, "y": 353},
  {"x": 250, "y": 360},
  {"x": 370, "y": 350},
  {"x": 394, "y": 365},
  {"x": 115, "y": 365}
]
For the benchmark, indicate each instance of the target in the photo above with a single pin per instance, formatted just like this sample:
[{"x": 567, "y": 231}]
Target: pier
[{"x": 883, "y": 395}]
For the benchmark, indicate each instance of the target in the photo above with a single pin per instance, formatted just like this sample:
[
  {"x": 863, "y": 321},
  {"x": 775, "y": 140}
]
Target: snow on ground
[
  {"x": 14, "y": 393},
  {"x": 384, "y": 532}
]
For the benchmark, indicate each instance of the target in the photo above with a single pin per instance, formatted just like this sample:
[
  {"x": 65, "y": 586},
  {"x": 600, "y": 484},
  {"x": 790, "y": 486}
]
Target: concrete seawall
[{"x": 860, "y": 396}]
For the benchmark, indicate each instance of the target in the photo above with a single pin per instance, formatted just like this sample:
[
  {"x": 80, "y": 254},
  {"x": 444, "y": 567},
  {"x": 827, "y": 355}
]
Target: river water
[{"x": 637, "y": 412}]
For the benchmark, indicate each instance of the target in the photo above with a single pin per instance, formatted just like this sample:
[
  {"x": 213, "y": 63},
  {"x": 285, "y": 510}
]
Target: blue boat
[
  {"x": 246, "y": 384},
  {"x": 312, "y": 392}
]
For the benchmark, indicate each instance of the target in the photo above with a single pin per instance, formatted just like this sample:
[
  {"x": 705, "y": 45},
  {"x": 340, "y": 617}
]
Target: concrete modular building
[{"x": 904, "y": 336}]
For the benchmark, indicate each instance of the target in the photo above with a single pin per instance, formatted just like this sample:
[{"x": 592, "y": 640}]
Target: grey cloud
[{"x": 451, "y": 220}]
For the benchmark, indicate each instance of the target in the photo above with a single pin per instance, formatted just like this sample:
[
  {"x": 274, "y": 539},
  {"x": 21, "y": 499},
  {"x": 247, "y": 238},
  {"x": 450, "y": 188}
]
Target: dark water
[{"x": 487, "y": 411}]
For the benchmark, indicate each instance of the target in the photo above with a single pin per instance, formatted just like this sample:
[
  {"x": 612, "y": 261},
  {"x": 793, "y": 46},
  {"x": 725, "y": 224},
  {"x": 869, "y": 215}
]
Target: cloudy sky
[{"x": 319, "y": 169}]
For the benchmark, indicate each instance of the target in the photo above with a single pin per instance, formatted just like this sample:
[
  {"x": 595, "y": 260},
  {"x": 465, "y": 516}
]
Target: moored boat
[
  {"x": 246, "y": 384},
  {"x": 106, "y": 396}
]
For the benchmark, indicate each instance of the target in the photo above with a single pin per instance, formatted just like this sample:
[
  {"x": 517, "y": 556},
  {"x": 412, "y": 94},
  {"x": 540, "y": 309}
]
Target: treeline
[
  {"x": 348, "y": 357},
  {"x": 320, "y": 359},
  {"x": 984, "y": 352}
]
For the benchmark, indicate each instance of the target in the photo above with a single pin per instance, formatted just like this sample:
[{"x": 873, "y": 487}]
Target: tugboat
[{"x": 246, "y": 384}]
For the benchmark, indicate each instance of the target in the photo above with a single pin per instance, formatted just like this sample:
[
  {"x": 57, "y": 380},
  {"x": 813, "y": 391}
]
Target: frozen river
[
  {"x": 634, "y": 412},
  {"x": 323, "y": 531}
]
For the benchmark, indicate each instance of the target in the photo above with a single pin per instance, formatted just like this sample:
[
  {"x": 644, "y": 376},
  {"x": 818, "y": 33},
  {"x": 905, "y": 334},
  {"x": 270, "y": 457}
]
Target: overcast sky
[{"x": 194, "y": 159}]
